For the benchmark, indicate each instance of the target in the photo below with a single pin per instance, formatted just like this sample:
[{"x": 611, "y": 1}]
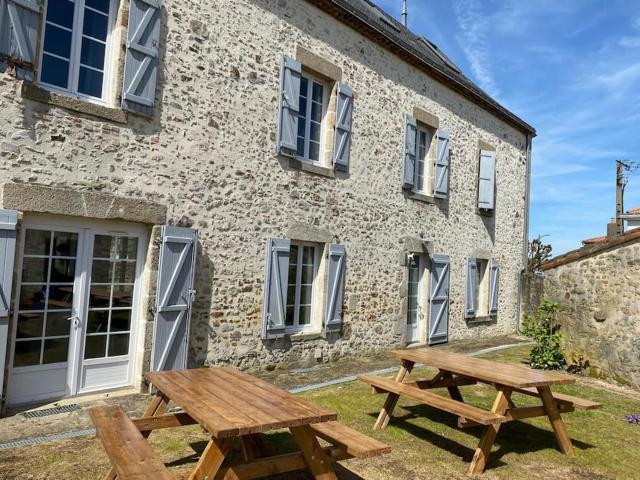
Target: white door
[
  {"x": 414, "y": 299},
  {"x": 75, "y": 309}
]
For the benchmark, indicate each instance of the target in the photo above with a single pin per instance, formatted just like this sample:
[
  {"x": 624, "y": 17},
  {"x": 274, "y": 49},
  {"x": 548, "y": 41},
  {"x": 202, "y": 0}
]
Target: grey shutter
[
  {"x": 335, "y": 286},
  {"x": 487, "y": 180},
  {"x": 174, "y": 297},
  {"x": 19, "y": 24},
  {"x": 443, "y": 159},
  {"x": 141, "y": 60},
  {"x": 275, "y": 287},
  {"x": 8, "y": 228},
  {"x": 439, "y": 300},
  {"x": 344, "y": 114},
  {"x": 409, "y": 164},
  {"x": 494, "y": 287},
  {"x": 288, "y": 107},
  {"x": 470, "y": 289}
]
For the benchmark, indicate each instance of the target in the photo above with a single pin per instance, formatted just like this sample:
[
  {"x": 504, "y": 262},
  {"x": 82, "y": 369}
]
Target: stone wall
[
  {"x": 208, "y": 156},
  {"x": 599, "y": 297}
]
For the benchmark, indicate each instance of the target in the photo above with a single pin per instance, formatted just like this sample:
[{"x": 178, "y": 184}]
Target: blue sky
[{"x": 569, "y": 68}]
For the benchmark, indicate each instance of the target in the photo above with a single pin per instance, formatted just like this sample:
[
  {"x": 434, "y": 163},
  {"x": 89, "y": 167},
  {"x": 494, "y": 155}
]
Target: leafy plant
[
  {"x": 578, "y": 362},
  {"x": 541, "y": 327},
  {"x": 538, "y": 254}
]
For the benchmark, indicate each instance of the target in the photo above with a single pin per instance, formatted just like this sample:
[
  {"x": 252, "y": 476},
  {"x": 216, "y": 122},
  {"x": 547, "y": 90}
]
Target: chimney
[
  {"x": 404, "y": 12},
  {"x": 612, "y": 229}
]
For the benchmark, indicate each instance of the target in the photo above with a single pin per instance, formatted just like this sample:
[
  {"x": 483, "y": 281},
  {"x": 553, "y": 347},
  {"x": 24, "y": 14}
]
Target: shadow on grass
[{"x": 277, "y": 443}]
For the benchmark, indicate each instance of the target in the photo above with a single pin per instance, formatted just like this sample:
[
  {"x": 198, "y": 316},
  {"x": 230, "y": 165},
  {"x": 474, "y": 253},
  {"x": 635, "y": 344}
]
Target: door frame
[
  {"x": 421, "y": 319},
  {"x": 86, "y": 229}
]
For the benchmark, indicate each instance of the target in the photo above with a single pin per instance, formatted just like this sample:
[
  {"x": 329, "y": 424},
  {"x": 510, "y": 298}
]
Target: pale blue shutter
[
  {"x": 288, "y": 107},
  {"x": 494, "y": 287},
  {"x": 335, "y": 286},
  {"x": 443, "y": 159},
  {"x": 275, "y": 287},
  {"x": 19, "y": 23},
  {"x": 174, "y": 298},
  {"x": 487, "y": 180},
  {"x": 8, "y": 228},
  {"x": 409, "y": 164},
  {"x": 470, "y": 289},
  {"x": 141, "y": 60},
  {"x": 344, "y": 114},
  {"x": 439, "y": 300}
]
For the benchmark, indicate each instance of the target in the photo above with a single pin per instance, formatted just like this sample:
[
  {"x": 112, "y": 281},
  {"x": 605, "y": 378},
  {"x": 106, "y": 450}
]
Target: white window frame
[
  {"x": 481, "y": 296},
  {"x": 428, "y": 161},
  {"x": 311, "y": 79},
  {"x": 296, "y": 327},
  {"x": 420, "y": 310},
  {"x": 76, "y": 46}
]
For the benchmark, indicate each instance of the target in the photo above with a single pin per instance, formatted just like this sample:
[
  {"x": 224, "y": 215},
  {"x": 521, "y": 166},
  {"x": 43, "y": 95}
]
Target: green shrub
[{"x": 541, "y": 327}]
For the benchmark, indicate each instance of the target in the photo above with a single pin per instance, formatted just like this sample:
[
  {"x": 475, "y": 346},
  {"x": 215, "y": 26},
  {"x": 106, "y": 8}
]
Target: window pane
[
  {"x": 316, "y": 112},
  {"x": 307, "y": 275},
  {"x": 120, "y": 320},
  {"x": 30, "y": 325},
  {"x": 97, "y": 321},
  {"x": 122, "y": 295},
  {"x": 304, "y": 86},
  {"x": 63, "y": 270},
  {"x": 55, "y": 71},
  {"x": 300, "y": 147},
  {"x": 92, "y": 53},
  {"x": 95, "y": 25},
  {"x": 102, "y": 5},
  {"x": 57, "y": 41},
  {"x": 58, "y": 324},
  {"x": 305, "y": 294},
  {"x": 305, "y": 315},
  {"x": 101, "y": 271},
  {"x": 60, "y": 12},
  {"x": 35, "y": 270},
  {"x": 118, "y": 345},
  {"x": 32, "y": 297},
  {"x": 308, "y": 254},
  {"x": 27, "y": 353},
  {"x": 290, "y": 316},
  {"x": 65, "y": 244},
  {"x": 90, "y": 82},
  {"x": 56, "y": 351},
  {"x": 314, "y": 151},
  {"x": 126, "y": 248},
  {"x": 317, "y": 92},
  {"x": 37, "y": 242},
  {"x": 60, "y": 297},
  {"x": 99, "y": 296},
  {"x": 102, "y": 246},
  {"x": 125, "y": 272},
  {"x": 314, "y": 132},
  {"x": 95, "y": 346}
]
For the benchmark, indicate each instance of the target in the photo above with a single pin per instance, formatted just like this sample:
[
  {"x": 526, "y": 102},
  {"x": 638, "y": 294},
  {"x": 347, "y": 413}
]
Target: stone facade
[
  {"x": 208, "y": 157},
  {"x": 599, "y": 304}
]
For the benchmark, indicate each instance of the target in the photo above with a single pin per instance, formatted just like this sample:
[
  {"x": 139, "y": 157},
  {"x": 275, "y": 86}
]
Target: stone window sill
[
  {"x": 421, "y": 197},
  {"x": 481, "y": 319},
  {"x": 33, "y": 92},
  {"x": 306, "y": 336},
  {"x": 311, "y": 168}
]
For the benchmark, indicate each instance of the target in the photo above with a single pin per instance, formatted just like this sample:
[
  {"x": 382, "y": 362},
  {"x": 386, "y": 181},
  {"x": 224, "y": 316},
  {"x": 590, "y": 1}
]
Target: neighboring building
[
  {"x": 395, "y": 210},
  {"x": 597, "y": 289},
  {"x": 632, "y": 217}
]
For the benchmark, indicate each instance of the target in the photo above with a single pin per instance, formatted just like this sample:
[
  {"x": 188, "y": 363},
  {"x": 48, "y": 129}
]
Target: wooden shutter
[
  {"x": 439, "y": 300},
  {"x": 174, "y": 298},
  {"x": 487, "y": 180},
  {"x": 494, "y": 287},
  {"x": 275, "y": 287},
  {"x": 344, "y": 114},
  {"x": 288, "y": 107},
  {"x": 8, "y": 229},
  {"x": 409, "y": 177},
  {"x": 335, "y": 286},
  {"x": 443, "y": 160},
  {"x": 141, "y": 60},
  {"x": 470, "y": 289},
  {"x": 19, "y": 24}
]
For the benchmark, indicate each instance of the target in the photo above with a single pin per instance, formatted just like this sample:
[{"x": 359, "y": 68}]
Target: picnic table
[
  {"x": 230, "y": 406},
  {"x": 456, "y": 370}
]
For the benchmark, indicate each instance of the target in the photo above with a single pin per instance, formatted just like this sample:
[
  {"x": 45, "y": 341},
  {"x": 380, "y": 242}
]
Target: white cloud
[
  {"x": 629, "y": 42},
  {"x": 621, "y": 79}
]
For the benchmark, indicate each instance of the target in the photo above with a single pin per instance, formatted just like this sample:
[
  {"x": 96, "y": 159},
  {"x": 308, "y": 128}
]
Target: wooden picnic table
[
  {"x": 456, "y": 370},
  {"x": 230, "y": 406}
]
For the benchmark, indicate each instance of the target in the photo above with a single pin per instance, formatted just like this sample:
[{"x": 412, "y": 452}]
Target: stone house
[
  {"x": 597, "y": 288},
  {"x": 254, "y": 183}
]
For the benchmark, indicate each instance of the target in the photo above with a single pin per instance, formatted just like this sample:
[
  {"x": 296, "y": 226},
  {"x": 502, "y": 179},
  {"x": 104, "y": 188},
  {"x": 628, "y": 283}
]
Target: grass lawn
[{"x": 425, "y": 442}]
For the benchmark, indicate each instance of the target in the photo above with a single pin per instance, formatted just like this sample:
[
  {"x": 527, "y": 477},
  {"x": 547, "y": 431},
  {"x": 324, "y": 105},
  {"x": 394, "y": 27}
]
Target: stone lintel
[
  {"x": 415, "y": 245},
  {"x": 482, "y": 254},
  {"x": 318, "y": 64},
  {"x": 485, "y": 146},
  {"x": 426, "y": 118},
  {"x": 309, "y": 233},
  {"x": 66, "y": 201}
]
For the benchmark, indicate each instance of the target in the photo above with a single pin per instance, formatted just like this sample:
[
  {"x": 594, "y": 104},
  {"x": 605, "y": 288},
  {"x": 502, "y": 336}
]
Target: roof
[
  {"x": 591, "y": 241},
  {"x": 609, "y": 243},
  {"x": 634, "y": 211},
  {"x": 373, "y": 22}
]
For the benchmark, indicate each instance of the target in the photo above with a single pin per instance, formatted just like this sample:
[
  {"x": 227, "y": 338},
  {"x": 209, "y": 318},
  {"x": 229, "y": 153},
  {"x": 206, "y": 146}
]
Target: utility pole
[
  {"x": 621, "y": 182},
  {"x": 404, "y": 12}
]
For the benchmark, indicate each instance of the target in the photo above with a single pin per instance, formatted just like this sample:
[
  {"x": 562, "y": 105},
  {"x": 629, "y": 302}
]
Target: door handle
[{"x": 75, "y": 320}]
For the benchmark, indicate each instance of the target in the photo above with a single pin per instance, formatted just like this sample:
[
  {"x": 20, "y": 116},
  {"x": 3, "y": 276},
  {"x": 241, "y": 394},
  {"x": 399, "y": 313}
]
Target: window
[
  {"x": 313, "y": 106},
  {"x": 424, "y": 173},
  {"x": 303, "y": 268},
  {"x": 481, "y": 293},
  {"x": 416, "y": 267},
  {"x": 76, "y": 46}
]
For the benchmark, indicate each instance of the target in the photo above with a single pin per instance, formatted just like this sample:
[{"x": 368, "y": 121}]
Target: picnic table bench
[
  {"x": 230, "y": 406},
  {"x": 456, "y": 370}
]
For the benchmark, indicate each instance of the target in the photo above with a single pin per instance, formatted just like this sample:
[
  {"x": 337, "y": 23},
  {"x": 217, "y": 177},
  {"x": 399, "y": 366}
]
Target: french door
[
  {"x": 416, "y": 268},
  {"x": 75, "y": 309}
]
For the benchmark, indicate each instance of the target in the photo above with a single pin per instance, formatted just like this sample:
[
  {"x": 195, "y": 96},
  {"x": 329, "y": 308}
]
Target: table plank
[{"x": 516, "y": 376}]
